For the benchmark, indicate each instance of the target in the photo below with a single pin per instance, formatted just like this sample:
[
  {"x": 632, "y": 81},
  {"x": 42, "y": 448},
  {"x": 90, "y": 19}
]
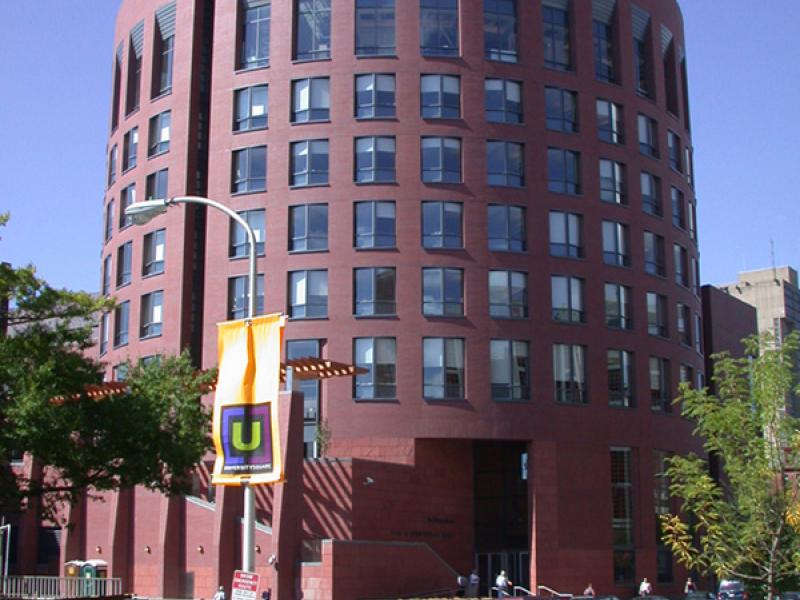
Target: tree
[
  {"x": 746, "y": 525},
  {"x": 151, "y": 434}
]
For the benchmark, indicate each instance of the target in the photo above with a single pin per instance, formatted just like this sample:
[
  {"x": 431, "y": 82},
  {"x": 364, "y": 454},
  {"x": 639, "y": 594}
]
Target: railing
[
  {"x": 58, "y": 587},
  {"x": 551, "y": 591},
  {"x": 525, "y": 591}
]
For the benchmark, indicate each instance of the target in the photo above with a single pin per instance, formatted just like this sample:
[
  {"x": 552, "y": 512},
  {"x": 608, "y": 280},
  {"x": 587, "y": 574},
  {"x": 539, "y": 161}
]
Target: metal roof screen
[
  {"x": 603, "y": 10},
  {"x": 641, "y": 20},
  {"x": 165, "y": 18},
  {"x": 137, "y": 38}
]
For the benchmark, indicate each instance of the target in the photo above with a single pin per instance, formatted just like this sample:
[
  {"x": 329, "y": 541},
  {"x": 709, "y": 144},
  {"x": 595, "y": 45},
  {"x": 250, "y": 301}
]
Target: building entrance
[{"x": 515, "y": 564}]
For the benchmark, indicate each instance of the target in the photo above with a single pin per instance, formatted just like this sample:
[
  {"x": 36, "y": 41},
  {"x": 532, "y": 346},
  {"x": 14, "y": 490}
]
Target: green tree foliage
[
  {"x": 151, "y": 434},
  {"x": 746, "y": 525}
]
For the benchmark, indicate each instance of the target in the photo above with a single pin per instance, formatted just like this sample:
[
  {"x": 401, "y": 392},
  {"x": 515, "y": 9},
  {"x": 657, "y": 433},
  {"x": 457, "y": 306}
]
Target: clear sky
[{"x": 55, "y": 85}]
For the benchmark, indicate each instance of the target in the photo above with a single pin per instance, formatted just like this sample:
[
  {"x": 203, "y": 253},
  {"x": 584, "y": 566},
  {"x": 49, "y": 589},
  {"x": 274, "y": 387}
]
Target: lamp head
[{"x": 144, "y": 211}]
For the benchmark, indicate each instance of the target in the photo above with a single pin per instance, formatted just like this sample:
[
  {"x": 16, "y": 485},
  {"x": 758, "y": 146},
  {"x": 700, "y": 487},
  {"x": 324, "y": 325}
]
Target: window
[
  {"x": 620, "y": 378},
  {"x": 135, "y": 49},
  {"x": 603, "y": 37},
  {"x": 654, "y": 262},
  {"x": 239, "y": 245},
  {"x": 121, "y": 318},
  {"x": 681, "y": 265},
  {"x": 129, "y": 146},
  {"x": 683, "y": 323},
  {"x": 641, "y": 52},
  {"x": 375, "y": 27},
  {"x": 612, "y": 182},
  {"x": 503, "y": 100},
  {"x": 678, "y": 208},
  {"x": 686, "y": 374},
  {"x": 112, "y": 166},
  {"x": 375, "y": 291},
  {"x": 566, "y": 235},
  {"x": 164, "y": 50},
  {"x": 508, "y": 294},
  {"x": 569, "y": 373},
  {"x": 651, "y": 193},
  {"x": 251, "y": 108},
  {"x": 308, "y": 227},
  {"x": 249, "y": 170},
  {"x": 441, "y": 160},
  {"x": 313, "y": 34},
  {"x": 510, "y": 368},
  {"x": 159, "y": 133},
  {"x": 695, "y": 273},
  {"x": 106, "y": 275},
  {"x": 507, "y": 230},
  {"x": 157, "y": 185},
  {"x": 311, "y": 100},
  {"x": 442, "y": 292},
  {"x": 443, "y": 368},
  {"x": 561, "y": 109},
  {"x": 440, "y": 97},
  {"x": 674, "y": 151},
  {"x": 255, "y": 34},
  {"x": 659, "y": 385},
  {"x": 378, "y": 355},
  {"x": 124, "y": 262},
  {"x": 375, "y": 224},
  {"x": 442, "y": 225},
  {"x": 505, "y": 163},
  {"x": 104, "y": 333},
  {"x": 563, "y": 171},
  {"x": 500, "y": 30},
  {"x": 556, "y": 38},
  {"x": 308, "y": 294},
  {"x": 109, "y": 220},
  {"x": 127, "y": 196},
  {"x": 567, "y": 299},
  {"x": 692, "y": 218},
  {"x": 610, "y": 122},
  {"x": 239, "y": 295},
  {"x": 622, "y": 516},
  {"x": 115, "y": 89},
  {"x": 311, "y": 393},
  {"x": 698, "y": 334},
  {"x": 151, "y": 318},
  {"x": 375, "y": 159},
  {"x": 657, "y": 315},
  {"x": 648, "y": 136},
  {"x": 153, "y": 252},
  {"x": 438, "y": 27},
  {"x": 309, "y": 164},
  {"x": 375, "y": 96},
  {"x": 616, "y": 248},
  {"x": 618, "y": 306},
  {"x": 663, "y": 505}
]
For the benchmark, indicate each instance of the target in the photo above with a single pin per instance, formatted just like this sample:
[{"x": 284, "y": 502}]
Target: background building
[{"x": 489, "y": 206}]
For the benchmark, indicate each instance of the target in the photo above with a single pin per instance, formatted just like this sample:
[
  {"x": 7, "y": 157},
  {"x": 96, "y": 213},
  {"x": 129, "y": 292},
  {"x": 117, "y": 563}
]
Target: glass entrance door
[{"x": 516, "y": 564}]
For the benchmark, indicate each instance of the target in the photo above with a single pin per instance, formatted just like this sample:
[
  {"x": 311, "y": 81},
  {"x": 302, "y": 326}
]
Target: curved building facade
[{"x": 489, "y": 206}]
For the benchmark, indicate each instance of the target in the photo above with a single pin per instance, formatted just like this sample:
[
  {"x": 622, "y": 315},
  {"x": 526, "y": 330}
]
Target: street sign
[{"x": 245, "y": 585}]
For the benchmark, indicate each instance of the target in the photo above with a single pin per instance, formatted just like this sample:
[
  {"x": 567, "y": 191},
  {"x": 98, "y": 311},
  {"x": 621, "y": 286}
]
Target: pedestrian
[
  {"x": 690, "y": 586},
  {"x": 473, "y": 584},
  {"x": 461, "y": 581},
  {"x": 502, "y": 583},
  {"x": 645, "y": 588},
  {"x": 219, "y": 594},
  {"x": 589, "y": 591}
]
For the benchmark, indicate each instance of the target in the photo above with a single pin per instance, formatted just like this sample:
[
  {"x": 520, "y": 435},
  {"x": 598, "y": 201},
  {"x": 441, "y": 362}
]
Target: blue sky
[{"x": 55, "y": 74}]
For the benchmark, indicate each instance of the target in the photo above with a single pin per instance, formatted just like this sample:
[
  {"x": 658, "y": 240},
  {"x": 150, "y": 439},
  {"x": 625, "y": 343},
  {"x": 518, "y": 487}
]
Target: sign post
[{"x": 245, "y": 585}]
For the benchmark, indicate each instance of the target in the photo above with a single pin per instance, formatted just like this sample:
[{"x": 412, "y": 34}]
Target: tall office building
[{"x": 489, "y": 206}]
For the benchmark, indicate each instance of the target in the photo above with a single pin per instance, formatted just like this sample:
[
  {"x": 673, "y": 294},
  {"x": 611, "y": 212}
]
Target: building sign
[
  {"x": 245, "y": 426},
  {"x": 245, "y": 585}
]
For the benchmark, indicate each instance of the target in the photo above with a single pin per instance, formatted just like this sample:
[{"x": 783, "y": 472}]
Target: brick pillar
[
  {"x": 173, "y": 547},
  {"x": 73, "y": 536},
  {"x": 226, "y": 538},
  {"x": 120, "y": 534},
  {"x": 543, "y": 507}
]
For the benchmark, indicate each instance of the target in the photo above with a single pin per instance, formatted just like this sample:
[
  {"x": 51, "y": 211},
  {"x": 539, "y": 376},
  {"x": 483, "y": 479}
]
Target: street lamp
[{"x": 143, "y": 212}]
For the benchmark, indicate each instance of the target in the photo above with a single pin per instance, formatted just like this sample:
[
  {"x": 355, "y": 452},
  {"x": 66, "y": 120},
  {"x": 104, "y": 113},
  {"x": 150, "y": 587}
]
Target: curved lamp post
[{"x": 143, "y": 212}]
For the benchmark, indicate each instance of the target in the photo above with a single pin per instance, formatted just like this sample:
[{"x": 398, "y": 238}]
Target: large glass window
[
  {"x": 505, "y": 162},
  {"x": 567, "y": 299},
  {"x": 164, "y": 50},
  {"x": 654, "y": 262},
  {"x": 678, "y": 208},
  {"x": 610, "y": 122},
  {"x": 442, "y": 292},
  {"x": 503, "y": 101},
  {"x": 308, "y": 294},
  {"x": 683, "y": 324},
  {"x": 648, "y": 136},
  {"x": 158, "y": 134},
  {"x": 130, "y": 144},
  {"x": 618, "y": 306},
  {"x": 569, "y": 373},
  {"x": 121, "y": 322},
  {"x": 311, "y": 394},
  {"x": 127, "y": 196},
  {"x": 563, "y": 171},
  {"x": 239, "y": 294},
  {"x": 442, "y": 225},
  {"x": 255, "y": 34},
  {"x": 309, "y": 164},
  {"x": 153, "y": 252},
  {"x": 674, "y": 151},
  {"x": 681, "y": 258},
  {"x": 151, "y": 315},
  {"x": 507, "y": 229},
  {"x": 109, "y": 220},
  {"x": 375, "y": 291},
  {"x": 378, "y": 355},
  {"x": 616, "y": 245},
  {"x": 622, "y": 515},
  {"x": 500, "y": 30},
  {"x": 308, "y": 227},
  {"x": 157, "y": 185},
  {"x": 249, "y": 173},
  {"x": 375, "y": 96},
  {"x": 375, "y": 224},
  {"x": 660, "y": 399},
  {"x": 651, "y": 193},
  {"x": 375, "y": 27},
  {"x": 124, "y": 264},
  {"x": 510, "y": 369},
  {"x": 443, "y": 368},
  {"x": 112, "y": 166},
  {"x": 239, "y": 245},
  {"x": 657, "y": 315},
  {"x": 612, "y": 182},
  {"x": 134, "y": 85},
  {"x": 313, "y": 33},
  {"x": 440, "y": 96},
  {"x": 508, "y": 294},
  {"x": 603, "y": 38},
  {"x": 621, "y": 391},
  {"x": 311, "y": 99},
  {"x": 441, "y": 160},
  {"x": 641, "y": 52},
  {"x": 106, "y": 286},
  {"x": 556, "y": 38},
  {"x": 251, "y": 108},
  {"x": 566, "y": 235},
  {"x": 438, "y": 27},
  {"x": 375, "y": 159},
  {"x": 561, "y": 109},
  {"x": 104, "y": 332}
]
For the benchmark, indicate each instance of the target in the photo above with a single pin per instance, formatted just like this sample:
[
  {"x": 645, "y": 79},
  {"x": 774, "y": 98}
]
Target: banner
[{"x": 245, "y": 428}]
